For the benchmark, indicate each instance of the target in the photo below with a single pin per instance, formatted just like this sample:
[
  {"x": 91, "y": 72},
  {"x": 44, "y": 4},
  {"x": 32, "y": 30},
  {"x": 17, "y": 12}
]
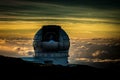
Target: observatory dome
[{"x": 51, "y": 41}]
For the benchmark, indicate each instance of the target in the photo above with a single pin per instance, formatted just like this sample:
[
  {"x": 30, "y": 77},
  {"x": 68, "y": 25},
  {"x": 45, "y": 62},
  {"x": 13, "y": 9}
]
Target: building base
[{"x": 47, "y": 60}]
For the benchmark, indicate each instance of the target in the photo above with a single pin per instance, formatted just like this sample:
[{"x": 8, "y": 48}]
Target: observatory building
[{"x": 51, "y": 45}]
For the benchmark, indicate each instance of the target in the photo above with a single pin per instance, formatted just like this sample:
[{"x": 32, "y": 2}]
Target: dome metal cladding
[{"x": 51, "y": 38}]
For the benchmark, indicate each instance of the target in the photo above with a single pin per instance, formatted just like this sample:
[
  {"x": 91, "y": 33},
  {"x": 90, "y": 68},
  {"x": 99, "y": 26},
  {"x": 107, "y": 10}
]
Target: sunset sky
[
  {"x": 92, "y": 25},
  {"x": 79, "y": 18}
]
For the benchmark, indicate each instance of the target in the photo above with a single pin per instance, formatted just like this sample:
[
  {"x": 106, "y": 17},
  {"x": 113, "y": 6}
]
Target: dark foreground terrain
[{"x": 17, "y": 67}]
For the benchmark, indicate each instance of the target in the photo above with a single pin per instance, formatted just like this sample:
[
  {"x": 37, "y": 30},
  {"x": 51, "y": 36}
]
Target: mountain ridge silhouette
[{"x": 10, "y": 65}]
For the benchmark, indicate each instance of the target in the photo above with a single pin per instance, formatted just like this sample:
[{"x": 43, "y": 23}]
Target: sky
[
  {"x": 80, "y": 18},
  {"x": 92, "y": 25}
]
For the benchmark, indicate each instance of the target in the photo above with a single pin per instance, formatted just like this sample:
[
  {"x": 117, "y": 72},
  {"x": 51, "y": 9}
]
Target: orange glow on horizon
[{"x": 78, "y": 30}]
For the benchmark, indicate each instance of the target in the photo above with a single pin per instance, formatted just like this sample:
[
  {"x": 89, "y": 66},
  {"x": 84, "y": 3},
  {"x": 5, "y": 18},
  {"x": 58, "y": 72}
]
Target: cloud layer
[
  {"x": 81, "y": 50},
  {"x": 95, "y": 50},
  {"x": 16, "y": 48}
]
